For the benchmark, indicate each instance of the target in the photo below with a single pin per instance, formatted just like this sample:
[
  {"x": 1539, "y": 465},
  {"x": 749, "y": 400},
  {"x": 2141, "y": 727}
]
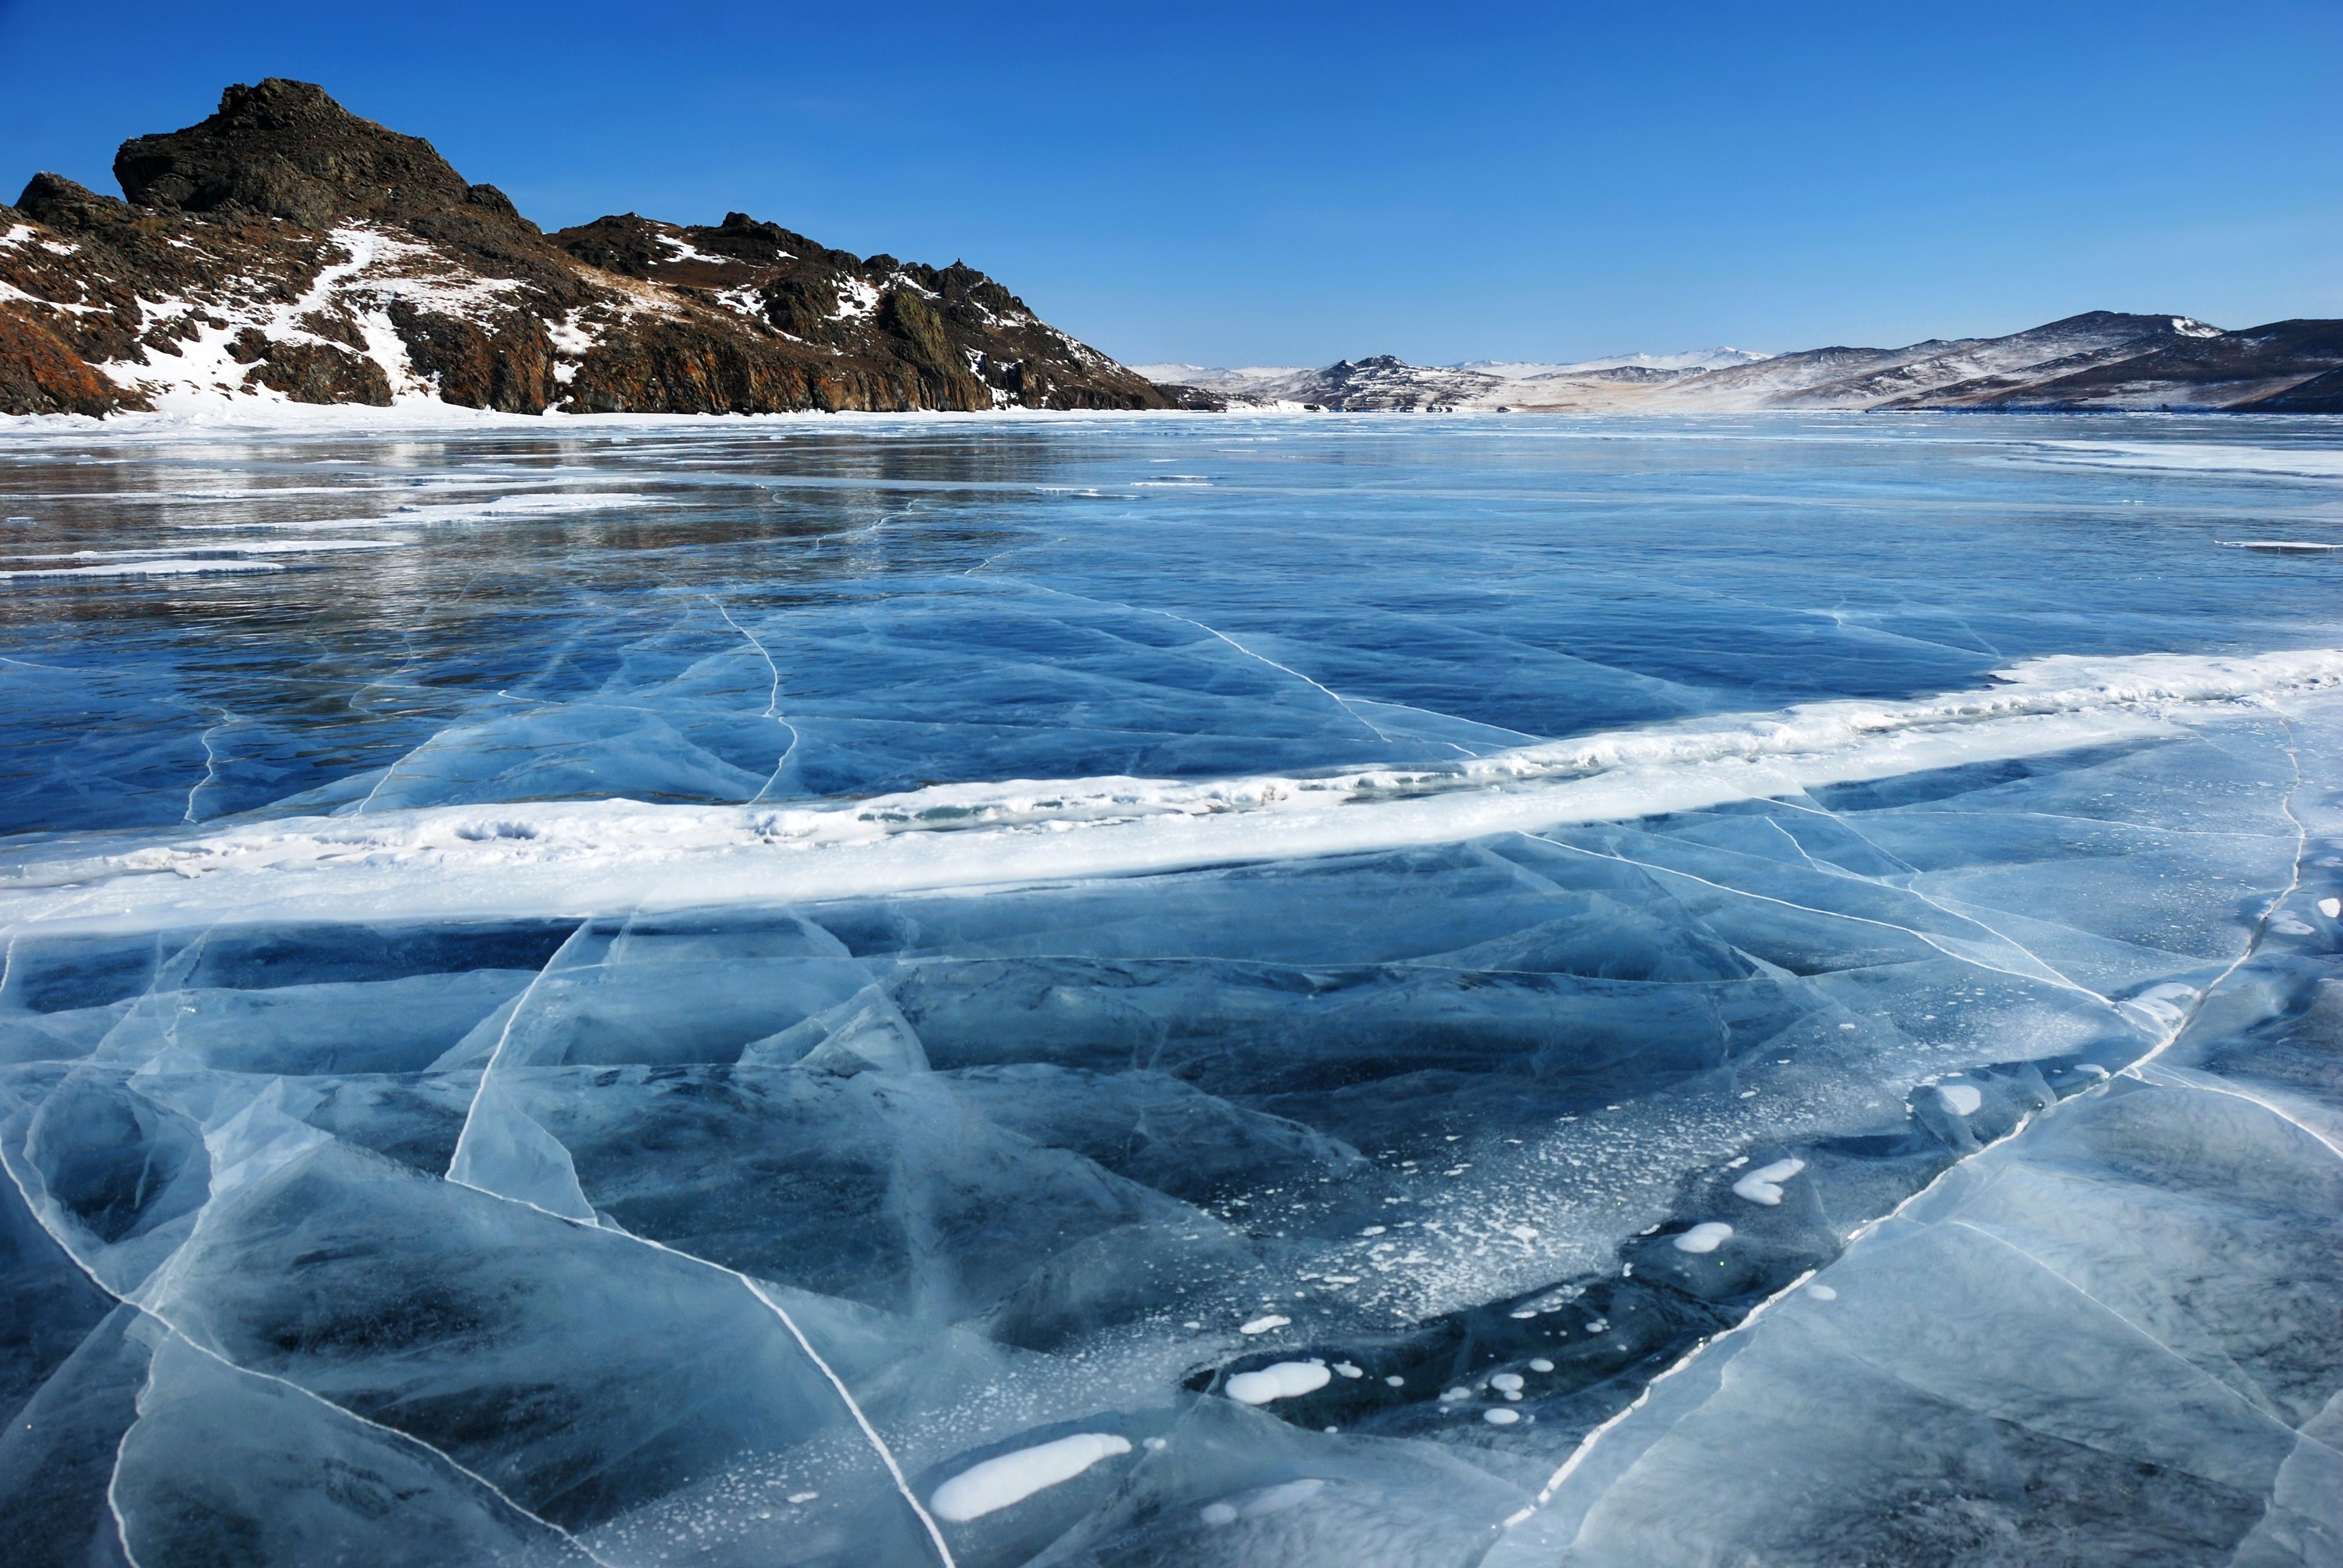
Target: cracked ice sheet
[
  {"x": 1424, "y": 1096},
  {"x": 981, "y": 1242},
  {"x": 2114, "y": 1337}
]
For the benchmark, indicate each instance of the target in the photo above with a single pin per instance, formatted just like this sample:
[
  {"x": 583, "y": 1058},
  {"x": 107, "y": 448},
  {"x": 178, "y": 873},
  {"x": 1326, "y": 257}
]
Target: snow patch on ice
[
  {"x": 2195, "y": 457},
  {"x": 1015, "y": 831},
  {"x": 179, "y": 567}
]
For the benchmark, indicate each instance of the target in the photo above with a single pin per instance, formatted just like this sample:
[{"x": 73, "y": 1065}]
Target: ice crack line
[
  {"x": 1913, "y": 889},
  {"x": 878, "y": 1443},
  {"x": 2258, "y": 1408},
  {"x": 2254, "y": 940},
  {"x": 772, "y": 703},
  {"x": 2169, "y": 1078},
  {"x": 504, "y": 1037},
  {"x": 1329, "y": 693},
  {"x": 114, "y": 1476},
  {"x": 211, "y": 762},
  {"x": 886, "y": 1455},
  {"x": 2049, "y": 975},
  {"x": 2136, "y": 1070},
  {"x": 406, "y": 645},
  {"x": 146, "y": 1309},
  {"x": 773, "y": 698}
]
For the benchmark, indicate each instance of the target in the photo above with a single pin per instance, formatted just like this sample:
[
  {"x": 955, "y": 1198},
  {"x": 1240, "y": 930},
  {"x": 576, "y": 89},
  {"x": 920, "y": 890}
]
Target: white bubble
[{"x": 1705, "y": 1237}]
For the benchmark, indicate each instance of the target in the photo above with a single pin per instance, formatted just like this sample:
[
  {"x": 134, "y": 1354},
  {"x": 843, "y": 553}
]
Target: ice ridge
[{"x": 557, "y": 856}]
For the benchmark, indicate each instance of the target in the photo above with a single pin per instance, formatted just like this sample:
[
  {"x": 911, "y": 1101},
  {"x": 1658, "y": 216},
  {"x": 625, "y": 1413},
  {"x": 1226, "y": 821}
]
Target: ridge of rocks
[{"x": 286, "y": 247}]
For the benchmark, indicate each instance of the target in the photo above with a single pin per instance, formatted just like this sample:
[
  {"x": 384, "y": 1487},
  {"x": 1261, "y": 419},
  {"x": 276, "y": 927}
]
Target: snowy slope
[{"x": 2099, "y": 360}]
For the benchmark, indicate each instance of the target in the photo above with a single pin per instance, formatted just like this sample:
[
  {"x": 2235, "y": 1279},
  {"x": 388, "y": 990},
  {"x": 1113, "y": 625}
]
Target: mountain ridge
[
  {"x": 287, "y": 248},
  {"x": 2100, "y": 359}
]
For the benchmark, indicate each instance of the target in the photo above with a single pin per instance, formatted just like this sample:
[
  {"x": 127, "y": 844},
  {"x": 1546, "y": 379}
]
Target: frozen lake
[{"x": 1173, "y": 990}]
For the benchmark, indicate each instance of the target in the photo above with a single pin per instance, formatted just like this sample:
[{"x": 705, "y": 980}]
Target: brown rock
[
  {"x": 227, "y": 220},
  {"x": 284, "y": 149},
  {"x": 39, "y": 374},
  {"x": 505, "y": 363},
  {"x": 317, "y": 373}
]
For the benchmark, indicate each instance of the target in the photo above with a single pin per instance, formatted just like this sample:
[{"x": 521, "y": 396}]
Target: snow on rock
[{"x": 857, "y": 300}]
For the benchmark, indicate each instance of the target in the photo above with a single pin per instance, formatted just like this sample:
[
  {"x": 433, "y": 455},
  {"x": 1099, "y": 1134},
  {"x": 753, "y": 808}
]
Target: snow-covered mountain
[
  {"x": 1211, "y": 379},
  {"x": 1696, "y": 359},
  {"x": 2102, "y": 359},
  {"x": 285, "y": 249}
]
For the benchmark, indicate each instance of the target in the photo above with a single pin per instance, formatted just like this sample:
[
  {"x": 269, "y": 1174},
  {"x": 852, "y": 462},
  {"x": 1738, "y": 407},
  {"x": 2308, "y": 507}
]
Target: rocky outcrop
[
  {"x": 39, "y": 374},
  {"x": 285, "y": 248},
  {"x": 311, "y": 372}
]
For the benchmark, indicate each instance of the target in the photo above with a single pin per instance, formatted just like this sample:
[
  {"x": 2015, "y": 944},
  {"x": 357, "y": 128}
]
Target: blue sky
[{"x": 1293, "y": 184}]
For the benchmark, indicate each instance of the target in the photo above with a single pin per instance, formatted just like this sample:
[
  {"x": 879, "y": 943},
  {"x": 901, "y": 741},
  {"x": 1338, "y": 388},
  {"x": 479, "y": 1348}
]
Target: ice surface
[{"x": 906, "y": 992}]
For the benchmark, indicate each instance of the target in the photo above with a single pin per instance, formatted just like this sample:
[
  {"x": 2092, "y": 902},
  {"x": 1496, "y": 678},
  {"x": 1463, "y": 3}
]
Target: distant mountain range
[
  {"x": 2102, "y": 360},
  {"x": 1270, "y": 384},
  {"x": 286, "y": 249}
]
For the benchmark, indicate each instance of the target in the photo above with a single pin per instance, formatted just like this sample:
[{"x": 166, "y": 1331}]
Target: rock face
[
  {"x": 2102, "y": 359},
  {"x": 286, "y": 248}
]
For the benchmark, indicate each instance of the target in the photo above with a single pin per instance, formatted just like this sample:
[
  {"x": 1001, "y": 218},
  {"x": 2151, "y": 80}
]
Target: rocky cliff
[{"x": 286, "y": 249}]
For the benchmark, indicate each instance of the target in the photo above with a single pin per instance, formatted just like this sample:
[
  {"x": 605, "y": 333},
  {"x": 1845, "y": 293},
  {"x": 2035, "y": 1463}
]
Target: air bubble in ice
[{"x": 1705, "y": 1237}]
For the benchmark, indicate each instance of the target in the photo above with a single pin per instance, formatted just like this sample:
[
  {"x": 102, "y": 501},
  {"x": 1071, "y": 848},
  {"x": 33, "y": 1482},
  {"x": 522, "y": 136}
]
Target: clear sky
[{"x": 1251, "y": 183}]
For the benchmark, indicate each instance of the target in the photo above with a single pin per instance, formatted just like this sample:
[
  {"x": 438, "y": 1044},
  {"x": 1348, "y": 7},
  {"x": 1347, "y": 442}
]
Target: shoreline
[{"x": 435, "y": 416}]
